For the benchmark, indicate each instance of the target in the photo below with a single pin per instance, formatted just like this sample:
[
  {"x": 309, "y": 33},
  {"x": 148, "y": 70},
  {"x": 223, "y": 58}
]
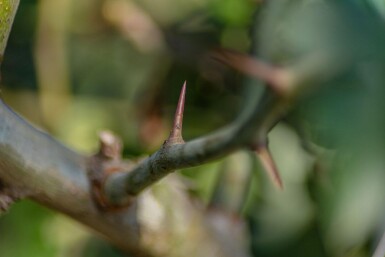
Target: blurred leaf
[
  {"x": 233, "y": 12},
  {"x": 23, "y": 231}
]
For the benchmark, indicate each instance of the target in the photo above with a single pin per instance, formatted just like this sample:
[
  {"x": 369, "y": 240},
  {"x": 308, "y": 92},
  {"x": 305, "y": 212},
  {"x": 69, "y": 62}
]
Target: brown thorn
[
  {"x": 176, "y": 132},
  {"x": 276, "y": 78},
  {"x": 269, "y": 165},
  {"x": 110, "y": 145}
]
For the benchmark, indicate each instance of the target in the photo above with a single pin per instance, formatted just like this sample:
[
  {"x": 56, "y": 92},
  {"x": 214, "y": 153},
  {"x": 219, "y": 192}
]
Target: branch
[
  {"x": 55, "y": 176},
  {"x": 7, "y": 14},
  {"x": 33, "y": 162},
  {"x": 202, "y": 150},
  {"x": 262, "y": 109},
  {"x": 34, "y": 165}
]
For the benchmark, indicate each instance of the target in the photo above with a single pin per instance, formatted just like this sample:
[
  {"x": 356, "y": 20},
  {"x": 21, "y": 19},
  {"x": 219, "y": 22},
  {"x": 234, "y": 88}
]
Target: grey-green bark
[
  {"x": 196, "y": 152},
  {"x": 262, "y": 109},
  {"x": 309, "y": 54},
  {"x": 35, "y": 165},
  {"x": 38, "y": 166}
]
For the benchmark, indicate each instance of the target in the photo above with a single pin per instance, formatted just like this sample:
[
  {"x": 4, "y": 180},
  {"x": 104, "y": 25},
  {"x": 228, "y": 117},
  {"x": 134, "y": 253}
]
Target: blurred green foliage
[
  {"x": 124, "y": 74},
  {"x": 22, "y": 233}
]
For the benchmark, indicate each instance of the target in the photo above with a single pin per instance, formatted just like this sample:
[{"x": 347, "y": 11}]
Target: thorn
[
  {"x": 110, "y": 145},
  {"x": 276, "y": 78},
  {"x": 269, "y": 165},
  {"x": 176, "y": 132}
]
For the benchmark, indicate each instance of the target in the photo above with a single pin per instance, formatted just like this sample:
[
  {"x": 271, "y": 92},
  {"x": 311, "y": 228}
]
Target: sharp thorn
[
  {"x": 176, "y": 131},
  {"x": 269, "y": 165},
  {"x": 250, "y": 66}
]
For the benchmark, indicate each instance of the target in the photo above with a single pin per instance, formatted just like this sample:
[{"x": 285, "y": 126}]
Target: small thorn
[
  {"x": 269, "y": 165},
  {"x": 110, "y": 145},
  {"x": 176, "y": 132},
  {"x": 276, "y": 78}
]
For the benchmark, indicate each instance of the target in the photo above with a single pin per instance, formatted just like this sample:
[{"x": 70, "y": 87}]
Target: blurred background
[{"x": 75, "y": 68}]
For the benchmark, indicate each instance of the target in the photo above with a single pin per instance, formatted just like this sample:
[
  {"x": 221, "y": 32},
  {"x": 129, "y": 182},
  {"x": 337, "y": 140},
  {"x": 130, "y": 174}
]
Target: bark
[
  {"x": 162, "y": 221},
  {"x": 37, "y": 165}
]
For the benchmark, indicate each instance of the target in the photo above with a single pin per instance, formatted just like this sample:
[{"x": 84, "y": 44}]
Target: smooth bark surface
[
  {"x": 55, "y": 176},
  {"x": 35, "y": 165},
  {"x": 261, "y": 111},
  {"x": 199, "y": 151}
]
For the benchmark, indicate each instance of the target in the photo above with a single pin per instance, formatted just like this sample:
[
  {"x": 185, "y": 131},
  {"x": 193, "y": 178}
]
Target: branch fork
[
  {"x": 263, "y": 109},
  {"x": 108, "y": 160},
  {"x": 101, "y": 165}
]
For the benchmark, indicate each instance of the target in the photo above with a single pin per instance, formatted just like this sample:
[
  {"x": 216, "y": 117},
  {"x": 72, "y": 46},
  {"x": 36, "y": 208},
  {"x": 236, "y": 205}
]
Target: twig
[
  {"x": 262, "y": 110},
  {"x": 202, "y": 150}
]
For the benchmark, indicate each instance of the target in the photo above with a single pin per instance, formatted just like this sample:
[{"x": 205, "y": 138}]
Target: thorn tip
[
  {"x": 176, "y": 131},
  {"x": 269, "y": 165}
]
